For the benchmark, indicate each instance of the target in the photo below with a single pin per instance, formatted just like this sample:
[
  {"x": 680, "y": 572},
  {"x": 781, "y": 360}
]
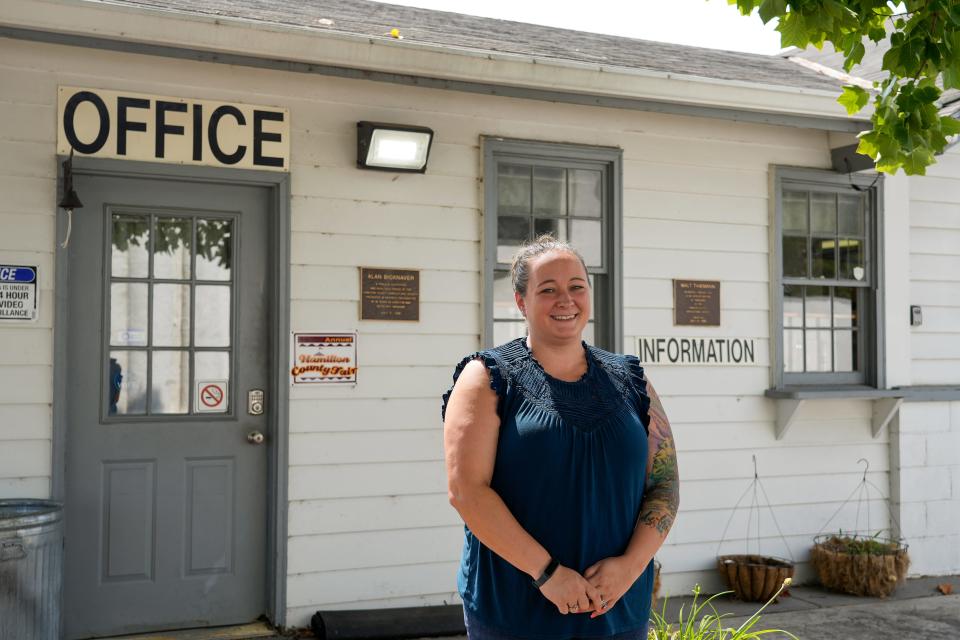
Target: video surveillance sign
[{"x": 18, "y": 292}]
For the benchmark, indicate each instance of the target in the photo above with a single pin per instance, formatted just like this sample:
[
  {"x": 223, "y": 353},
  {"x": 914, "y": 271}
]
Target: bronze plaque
[
  {"x": 389, "y": 294},
  {"x": 696, "y": 303}
]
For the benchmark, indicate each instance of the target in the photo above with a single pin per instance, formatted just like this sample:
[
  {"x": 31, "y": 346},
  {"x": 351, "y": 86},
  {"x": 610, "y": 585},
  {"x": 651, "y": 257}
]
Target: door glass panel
[
  {"x": 128, "y": 314},
  {"x": 817, "y": 308},
  {"x": 513, "y": 189},
  {"x": 844, "y": 307},
  {"x": 793, "y": 350},
  {"x": 127, "y": 386},
  {"x": 792, "y": 306},
  {"x": 130, "y": 235},
  {"x": 170, "y": 388},
  {"x": 209, "y": 367},
  {"x": 795, "y": 257},
  {"x": 171, "y": 315},
  {"x": 214, "y": 249},
  {"x": 851, "y": 214},
  {"x": 587, "y": 237},
  {"x": 213, "y": 316},
  {"x": 555, "y": 227},
  {"x": 795, "y": 212},
  {"x": 171, "y": 248},
  {"x": 549, "y": 191},
  {"x": 504, "y": 304},
  {"x": 823, "y": 213},
  {"x": 586, "y": 193},
  {"x": 845, "y": 350},
  {"x": 511, "y": 233},
  {"x": 823, "y": 261},
  {"x": 819, "y": 350}
]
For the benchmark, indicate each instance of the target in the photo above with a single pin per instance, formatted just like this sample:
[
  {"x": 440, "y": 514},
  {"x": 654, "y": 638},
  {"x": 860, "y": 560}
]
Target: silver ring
[
  {"x": 574, "y": 607},
  {"x": 603, "y": 604}
]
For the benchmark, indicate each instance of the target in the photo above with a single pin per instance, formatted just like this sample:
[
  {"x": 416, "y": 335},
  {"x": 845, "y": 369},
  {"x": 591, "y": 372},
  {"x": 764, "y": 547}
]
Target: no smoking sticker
[{"x": 211, "y": 396}]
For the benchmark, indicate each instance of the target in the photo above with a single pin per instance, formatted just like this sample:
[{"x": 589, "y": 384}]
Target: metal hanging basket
[{"x": 754, "y": 577}]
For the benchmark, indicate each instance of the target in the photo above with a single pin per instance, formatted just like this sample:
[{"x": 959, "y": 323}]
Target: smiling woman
[{"x": 561, "y": 462}]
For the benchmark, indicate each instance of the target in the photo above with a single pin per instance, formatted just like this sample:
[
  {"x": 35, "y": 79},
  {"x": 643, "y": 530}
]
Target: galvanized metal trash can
[{"x": 31, "y": 569}]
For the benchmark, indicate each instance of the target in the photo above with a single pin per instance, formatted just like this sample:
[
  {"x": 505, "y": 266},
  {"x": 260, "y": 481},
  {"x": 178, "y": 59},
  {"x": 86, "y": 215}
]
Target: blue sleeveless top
[{"x": 571, "y": 467}]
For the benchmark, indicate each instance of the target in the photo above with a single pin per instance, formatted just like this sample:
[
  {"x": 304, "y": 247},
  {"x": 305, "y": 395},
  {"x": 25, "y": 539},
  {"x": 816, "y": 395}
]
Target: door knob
[{"x": 255, "y": 437}]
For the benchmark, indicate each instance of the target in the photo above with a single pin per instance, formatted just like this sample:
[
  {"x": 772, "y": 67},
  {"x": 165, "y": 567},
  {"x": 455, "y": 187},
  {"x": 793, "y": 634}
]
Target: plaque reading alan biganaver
[
  {"x": 389, "y": 294},
  {"x": 696, "y": 303}
]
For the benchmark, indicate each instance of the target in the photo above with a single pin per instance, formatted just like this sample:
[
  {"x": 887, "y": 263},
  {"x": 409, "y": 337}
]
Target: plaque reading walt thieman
[
  {"x": 389, "y": 294},
  {"x": 696, "y": 303},
  {"x": 697, "y": 351}
]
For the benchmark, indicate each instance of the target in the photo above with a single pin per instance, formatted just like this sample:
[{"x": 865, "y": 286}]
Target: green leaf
[
  {"x": 854, "y": 98},
  {"x": 951, "y": 76},
  {"x": 949, "y": 126},
  {"x": 771, "y": 9},
  {"x": 916, "y": 162},
  {"x": 793, "y": 31}
]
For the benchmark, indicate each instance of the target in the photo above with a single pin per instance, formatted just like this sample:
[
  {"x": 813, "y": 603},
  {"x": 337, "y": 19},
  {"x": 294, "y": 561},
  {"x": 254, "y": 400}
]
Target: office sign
[
  {"x": 683, "y": 350},
  {"x": 137, "y": 126},
  {"x": 18, "y": 292}
]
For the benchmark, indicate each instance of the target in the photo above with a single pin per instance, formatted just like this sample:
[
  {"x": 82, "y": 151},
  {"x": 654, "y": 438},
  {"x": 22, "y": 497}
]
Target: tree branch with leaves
[{"x": 923, "y": 61}]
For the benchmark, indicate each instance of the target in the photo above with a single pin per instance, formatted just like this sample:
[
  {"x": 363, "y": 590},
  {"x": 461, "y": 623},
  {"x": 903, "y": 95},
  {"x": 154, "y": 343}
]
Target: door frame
[{"x": 278, "y": 301}]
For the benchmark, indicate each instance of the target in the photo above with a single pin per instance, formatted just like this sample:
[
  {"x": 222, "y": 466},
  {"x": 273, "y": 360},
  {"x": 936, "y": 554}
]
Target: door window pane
[
  {"x": 794, "y": 257},
  {"x": 170, "y": 383},
  {"x": 213, "y": 316},
  {"x": 823, "y": 213},
  {"x": 817, "y": 308},
  {"x": 792, "y": 306},
  {"x": 549, "y": 191},
  {"x": 171, "y": 248},
  {"x": 845, "y": 350},
  {"x": 850, "y": 211},
  {"x": 513, "y": 189},
  {"x": 795, "y": 212},
  {"x": 587, "y": 237},
  {"x": 586, "y": 192},
  {"x": 822, "y": 262},
  {"x": 128, "y": 314},
  {"x": 171, "y": 315},
  {"x": 212, "y": 367},
  {"x": 128, "y": 255},
  {"x": 511, "y": 233},
  {"x": 127, "y": 383},
  {"x": 819, "y": 350},
  {"x": 214, "y": 249}
]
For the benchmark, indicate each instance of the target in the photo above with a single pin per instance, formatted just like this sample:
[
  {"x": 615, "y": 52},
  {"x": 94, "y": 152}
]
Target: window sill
[{"x": 886, "y": 403}]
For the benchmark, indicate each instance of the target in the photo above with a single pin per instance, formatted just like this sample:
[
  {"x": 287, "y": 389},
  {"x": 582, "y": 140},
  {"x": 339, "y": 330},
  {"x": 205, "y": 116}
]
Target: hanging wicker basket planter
[
  {"x": 754, "y": 578},
  {"x": 858, "y": 565}
]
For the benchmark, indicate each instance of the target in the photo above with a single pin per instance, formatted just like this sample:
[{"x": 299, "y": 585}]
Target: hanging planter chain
[
  {"x": 862, "y": 491},
  {"x": 754, "y": 485}
]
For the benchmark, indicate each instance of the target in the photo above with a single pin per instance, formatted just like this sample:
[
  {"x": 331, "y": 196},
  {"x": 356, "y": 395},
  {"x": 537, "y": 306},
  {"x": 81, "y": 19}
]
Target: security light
[{"x": 393, "y": 147}]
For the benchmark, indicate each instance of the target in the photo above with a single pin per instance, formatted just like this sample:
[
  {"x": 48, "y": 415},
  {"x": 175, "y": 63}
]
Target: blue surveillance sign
[{"x": 18, "y": 292}]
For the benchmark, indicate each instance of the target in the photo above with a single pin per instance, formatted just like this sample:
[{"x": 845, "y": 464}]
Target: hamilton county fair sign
[
  {"x": 136, "y": 126},
  {"x": 683, "y": 350}
]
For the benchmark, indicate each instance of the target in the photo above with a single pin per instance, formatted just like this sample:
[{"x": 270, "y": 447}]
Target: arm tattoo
[{"x": 662, "y": 496}]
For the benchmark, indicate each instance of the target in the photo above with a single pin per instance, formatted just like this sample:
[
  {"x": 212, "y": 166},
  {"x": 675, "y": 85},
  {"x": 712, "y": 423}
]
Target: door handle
[{"x": 255, "y": 437}]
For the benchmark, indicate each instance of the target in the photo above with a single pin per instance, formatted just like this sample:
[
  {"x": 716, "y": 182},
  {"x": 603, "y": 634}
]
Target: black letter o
[{"x": 69, "y": 111}]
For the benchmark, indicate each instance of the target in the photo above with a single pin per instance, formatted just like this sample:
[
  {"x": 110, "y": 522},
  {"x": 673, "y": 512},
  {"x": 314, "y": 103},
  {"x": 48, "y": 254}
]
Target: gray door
[{"x": 165, "y": 494}]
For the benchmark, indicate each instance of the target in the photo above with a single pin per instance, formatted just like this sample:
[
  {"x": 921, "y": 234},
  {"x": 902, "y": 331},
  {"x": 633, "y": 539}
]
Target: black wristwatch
[{"x": 547, "y": 573}]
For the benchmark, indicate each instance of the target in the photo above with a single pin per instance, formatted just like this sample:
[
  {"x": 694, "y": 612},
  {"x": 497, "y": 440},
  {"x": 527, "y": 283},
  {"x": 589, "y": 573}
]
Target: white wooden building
[{"x": 664, "y": 163}]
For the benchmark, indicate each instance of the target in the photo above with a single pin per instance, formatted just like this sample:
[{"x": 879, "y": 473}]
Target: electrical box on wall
[{"x": 916, "y": 315}]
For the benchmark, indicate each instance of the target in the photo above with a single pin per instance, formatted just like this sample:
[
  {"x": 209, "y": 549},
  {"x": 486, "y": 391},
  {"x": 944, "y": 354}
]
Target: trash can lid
[{"x": 17, "y": 513}]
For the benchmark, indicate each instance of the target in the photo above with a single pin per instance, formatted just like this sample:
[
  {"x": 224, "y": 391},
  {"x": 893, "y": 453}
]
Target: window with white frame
[
  {"x": 569, "y": 191},
  {"x": 827, "y": 290}
]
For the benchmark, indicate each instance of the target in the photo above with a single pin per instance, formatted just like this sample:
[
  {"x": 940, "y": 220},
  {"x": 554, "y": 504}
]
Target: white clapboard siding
[
  {"x": 375, "y": 513},
  {"x": 26, "y": 232},
  {"x": 935, "y": 189},
  {"x": 734, "y": 323},
  {"x": 379, "y": 382},
  {"x": 657, "y": 293},
  {"x": 933, "y": 215},
  {"x": 651, "y": 175},
  {"x": 389, "y": 349},
  {"x": 25, "y": 122},
  {"x": 357, "y": 585},
  {"x": 363, "y": 480},
  {"x": 719, "y": 153},
  {"x": 25, "y": 421},
  {"x": 22, "y": 458},
  {"x": 935, "y": 293},
  {"x": 308, "y": 449},
  {"x": 656, "y": 233},
  {"x": 372, "y": 414},
  {"x": 435, "y": 318},
  {"x": 28, "y": 159},
  {"x": 695, "y": 265},
  {"x": 29, "y": 487},
  {"x": 364, "y": 217},
  {"x": 25, "y": 384},
  {"x": 760, "y": 437},
  {"x": 710, "y": 494},
  {"x": 784, "y": 461},
  {"x": 409, "y": 253},
  {"x": 28, "y": 195},
  {"x": 935, "y": 241},
  {"x": 411, "y": 188},
  {"x": 372, "y": 549},
  {"x": 300, "y": 616},
  {"x": 687, "y": 557},
  {"x": 938, "y": 346},
  {"x": 317, "y": 282},
  {"x": 26, "y": 345},
  {"x": 733, "y": 209},
  {"x": 708, "y": 408},
  {"x": 714, "y": 380}
]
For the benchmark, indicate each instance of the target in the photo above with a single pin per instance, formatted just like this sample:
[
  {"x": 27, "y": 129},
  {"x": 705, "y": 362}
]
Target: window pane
[
  {"x": 792, "y": 306},
  {"x": 844, "y": 307},
  {"x": 553, "y": 226},
  {"x": 793, "y": 350},
  {"x": 795, "y": 212},
  {"x": 213, "y": 316},
  {"x": 171, "y": 248},
  {"x": 129, "y": 246},
  {"x": 817, "y": 307},
  {"x": 171, "y": 315},
  {"x": 549, "y": 191},
  {"x": 589, "y": 333},
  {"x": 823, "y": 261},
  {"x": 214, "y": 249},
  {"x": 170, "y": 388},
  {"x": 795, "y": 257},
  {"x": 819, "y": 350},
  {"x": 504, "y": 304},
  {"x": 852, "y": 264},
  {"x": 209, "y": 367},
  {"x": 507, "y": 331},
  {"x": 587, "y": 237},
  {"x": 845, "y": 350},
  {"x": 511, "y": 233},
  {"x": 128, "y": 314},
  {"x": 851, "y": 214},
  {"x": 513, "y": 189},
  {"x": 823, "y": 213},
  {"x": 586, "y": 192},
  {"x": 127, "y": 387}
]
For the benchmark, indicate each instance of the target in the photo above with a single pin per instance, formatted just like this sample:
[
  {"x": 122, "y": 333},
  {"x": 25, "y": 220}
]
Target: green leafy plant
[
  {"x": 923, "y": 60},
  {"x": 704, "y": 622}
]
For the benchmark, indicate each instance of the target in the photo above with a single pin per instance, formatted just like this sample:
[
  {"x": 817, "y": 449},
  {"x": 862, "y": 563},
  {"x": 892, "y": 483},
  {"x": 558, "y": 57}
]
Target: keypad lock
[{"x": 255, "y": 402}]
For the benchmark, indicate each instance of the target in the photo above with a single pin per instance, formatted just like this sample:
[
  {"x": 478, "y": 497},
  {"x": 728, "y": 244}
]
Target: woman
[{"x": 561, "y": 462}]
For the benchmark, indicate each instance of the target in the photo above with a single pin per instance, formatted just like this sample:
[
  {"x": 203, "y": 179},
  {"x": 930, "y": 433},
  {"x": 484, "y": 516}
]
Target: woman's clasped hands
[{"x": 594, "y": 592}]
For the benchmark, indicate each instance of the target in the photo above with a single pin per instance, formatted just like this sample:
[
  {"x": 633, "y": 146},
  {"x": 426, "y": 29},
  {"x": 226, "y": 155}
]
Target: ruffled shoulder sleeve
[
  {"x": 639, "y": 385},
  {"x": 498, "y": 379}
]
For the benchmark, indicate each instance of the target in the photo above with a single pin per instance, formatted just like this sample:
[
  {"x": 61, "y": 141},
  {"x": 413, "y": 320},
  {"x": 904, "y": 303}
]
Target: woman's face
[{"x": 557, "y": 302}]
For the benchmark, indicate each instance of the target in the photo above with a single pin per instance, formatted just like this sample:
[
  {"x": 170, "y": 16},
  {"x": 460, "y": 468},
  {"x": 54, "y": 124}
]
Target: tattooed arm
[{"x": 614, "y": 576}]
